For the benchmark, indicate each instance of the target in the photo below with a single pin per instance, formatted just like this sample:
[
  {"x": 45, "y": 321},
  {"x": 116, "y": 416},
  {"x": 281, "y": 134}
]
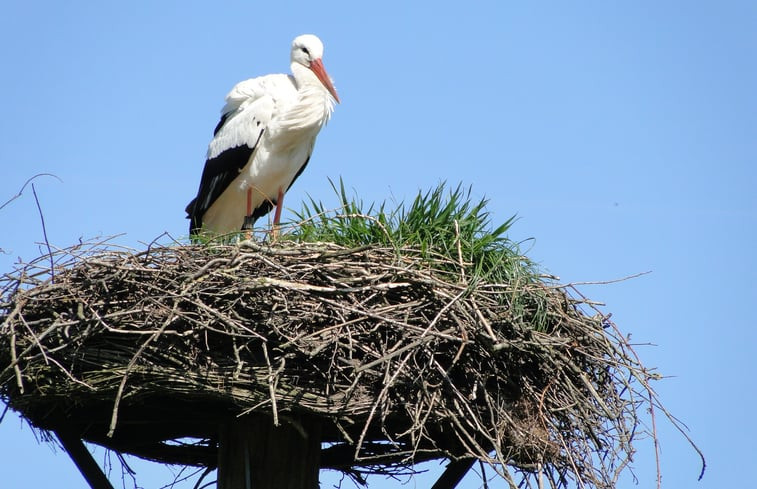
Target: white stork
[{"x": 263, "y": 142}]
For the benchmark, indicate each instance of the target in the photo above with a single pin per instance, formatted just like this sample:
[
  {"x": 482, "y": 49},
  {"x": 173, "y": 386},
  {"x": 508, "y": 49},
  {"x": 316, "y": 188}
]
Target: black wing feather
[
  {"x": 218, "y": 174},
  {"x": 224, "y": 118},
  {"x": 299, "y": 172}
]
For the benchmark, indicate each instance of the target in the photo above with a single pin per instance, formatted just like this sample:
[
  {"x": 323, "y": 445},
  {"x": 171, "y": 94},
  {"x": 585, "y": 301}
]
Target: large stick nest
[{"x": 400, "y": 358}]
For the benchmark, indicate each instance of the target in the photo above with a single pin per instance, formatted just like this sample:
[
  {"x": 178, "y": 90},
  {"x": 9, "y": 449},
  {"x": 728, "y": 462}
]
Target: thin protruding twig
[
  {"x": 605, "y": 282},
  {"x": 30, "y": 179},
  {"x": 124, "y": 378},
  {"x": 44, "y": 234},
  {"x": 655, "y": 440},
  {"x": 460, "y": 252}
]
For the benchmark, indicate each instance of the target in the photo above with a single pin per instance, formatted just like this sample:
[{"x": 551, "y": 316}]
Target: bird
[{"x": 263, "y": 142}]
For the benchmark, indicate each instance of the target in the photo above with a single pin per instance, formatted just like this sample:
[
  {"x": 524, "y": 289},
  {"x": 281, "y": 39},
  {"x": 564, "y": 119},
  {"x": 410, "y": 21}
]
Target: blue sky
[{"x": 623, "y": 136}]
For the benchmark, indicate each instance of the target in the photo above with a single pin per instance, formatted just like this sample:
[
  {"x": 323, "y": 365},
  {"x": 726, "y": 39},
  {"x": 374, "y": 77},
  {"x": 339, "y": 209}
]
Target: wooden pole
[
  {"x": 92, "y": 472},
  {"x": 255, "y": 454},
  {"x": 454, "y": 473}
]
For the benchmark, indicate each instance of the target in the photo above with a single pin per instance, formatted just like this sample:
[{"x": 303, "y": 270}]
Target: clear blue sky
[{"x": 623, "y": 136}]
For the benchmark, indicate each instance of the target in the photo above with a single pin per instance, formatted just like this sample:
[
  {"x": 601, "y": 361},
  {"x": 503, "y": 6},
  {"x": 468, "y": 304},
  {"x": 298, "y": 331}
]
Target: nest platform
[{"x": 400, "y": 357}]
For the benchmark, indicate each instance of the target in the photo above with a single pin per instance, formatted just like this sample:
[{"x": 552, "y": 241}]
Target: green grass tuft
[{"x": 442, "y": 222}]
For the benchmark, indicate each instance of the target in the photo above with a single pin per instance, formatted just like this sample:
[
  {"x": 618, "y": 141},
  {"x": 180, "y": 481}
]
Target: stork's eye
[{"x": 305, "y": 50}]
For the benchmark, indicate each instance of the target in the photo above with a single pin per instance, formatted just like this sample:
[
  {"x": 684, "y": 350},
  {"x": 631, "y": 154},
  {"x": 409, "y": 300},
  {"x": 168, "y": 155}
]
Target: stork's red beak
[{"x": 317, "y": 67}]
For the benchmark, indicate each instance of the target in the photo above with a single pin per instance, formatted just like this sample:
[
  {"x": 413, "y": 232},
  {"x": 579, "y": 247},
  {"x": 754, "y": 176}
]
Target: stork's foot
[{"x": 247, "y": 226}]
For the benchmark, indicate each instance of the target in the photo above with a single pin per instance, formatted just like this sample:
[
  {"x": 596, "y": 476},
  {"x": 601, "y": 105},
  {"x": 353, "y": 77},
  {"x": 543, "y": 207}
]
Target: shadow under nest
[{"x": 401, "y": 358}]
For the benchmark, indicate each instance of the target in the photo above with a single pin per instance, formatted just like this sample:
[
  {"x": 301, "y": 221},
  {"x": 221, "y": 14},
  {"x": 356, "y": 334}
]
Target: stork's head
[{"x": 307, "y": 50}]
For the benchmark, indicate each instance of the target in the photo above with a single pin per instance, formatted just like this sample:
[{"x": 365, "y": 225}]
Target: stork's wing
[
  {"x": 249, "y": 108},
  {"x": 218, "y": 174}
]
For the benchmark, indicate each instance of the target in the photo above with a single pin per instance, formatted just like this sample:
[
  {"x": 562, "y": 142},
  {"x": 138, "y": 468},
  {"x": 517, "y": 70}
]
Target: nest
[{"x": 399, "y": 357}]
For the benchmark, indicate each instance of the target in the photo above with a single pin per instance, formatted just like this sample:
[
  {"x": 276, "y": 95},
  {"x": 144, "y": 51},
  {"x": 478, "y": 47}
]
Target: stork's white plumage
[{"x": 263, "y": 142}]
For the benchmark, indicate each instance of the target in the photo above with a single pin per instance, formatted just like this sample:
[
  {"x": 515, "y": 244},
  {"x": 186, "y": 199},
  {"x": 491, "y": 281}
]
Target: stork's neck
[{"x": 314, "y": 104}]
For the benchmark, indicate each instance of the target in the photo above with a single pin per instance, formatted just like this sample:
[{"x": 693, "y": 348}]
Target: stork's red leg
[
  {"x": 247, "y": 225},
  {"x": 279, "y": 204},
  {"x": 277, "y": 214}
]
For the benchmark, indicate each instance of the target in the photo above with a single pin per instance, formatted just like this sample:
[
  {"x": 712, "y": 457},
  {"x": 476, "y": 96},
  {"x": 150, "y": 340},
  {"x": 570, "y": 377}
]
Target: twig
[
  {"x": 44, "y": 233},
  {"x": 129, "y": 367},
  {"x": 655, "y": 441},
  {"x": 272, "y": 381},
  {"x": 20, "y": 192},
  {"x": 14, "y": 361},
  {"x": 460, "y": 252},
  {"x": 602, "y": 282},
  {"x": 205, "y": 473},
  {"x": 397, "y": 352}
]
